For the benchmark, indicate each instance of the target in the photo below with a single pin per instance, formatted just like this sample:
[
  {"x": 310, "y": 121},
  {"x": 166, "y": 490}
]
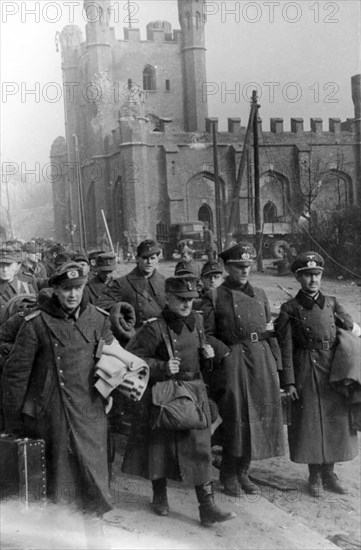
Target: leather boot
[
  {"x": 314, "y": 480},
  {"x": 160, "y": 501},
  {"x": 228, "y": 475},
  {"x": 248, "y": 487},
  {"x": 330, "y": 480},
  {"x": 209, "y": 512}
]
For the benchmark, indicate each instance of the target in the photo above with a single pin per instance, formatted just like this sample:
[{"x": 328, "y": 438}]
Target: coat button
[
  {"x": 58, "y": 358},
  {"x": 60, "y": 371},
  {"x": 62, "y": 384}
]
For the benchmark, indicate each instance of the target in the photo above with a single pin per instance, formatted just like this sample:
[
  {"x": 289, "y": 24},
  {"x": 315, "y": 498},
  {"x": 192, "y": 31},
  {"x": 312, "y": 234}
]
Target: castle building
[{"x": 139, "y": 146}]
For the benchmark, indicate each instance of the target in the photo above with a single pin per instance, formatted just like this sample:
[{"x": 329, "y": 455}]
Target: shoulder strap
[{"x": 165, "y": 335}]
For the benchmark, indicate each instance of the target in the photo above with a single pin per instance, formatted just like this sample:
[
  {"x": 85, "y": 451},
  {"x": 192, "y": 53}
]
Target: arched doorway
[{"x": 205, "y": 214}]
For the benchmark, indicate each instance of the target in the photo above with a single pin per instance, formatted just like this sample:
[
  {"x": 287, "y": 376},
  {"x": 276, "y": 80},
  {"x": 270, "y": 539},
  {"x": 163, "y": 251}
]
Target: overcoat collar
[
  {"x": 136, "y": 277},
  {"x": 232, "y": 285},
  {"x": 53, "y": 311},
  {"x": 308, "y": 301},
  {"x": 176, "y": 323}
]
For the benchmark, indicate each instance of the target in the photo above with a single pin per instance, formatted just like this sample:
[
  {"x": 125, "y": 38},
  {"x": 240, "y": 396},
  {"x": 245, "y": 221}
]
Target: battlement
[{"x": 335, "y": 126}]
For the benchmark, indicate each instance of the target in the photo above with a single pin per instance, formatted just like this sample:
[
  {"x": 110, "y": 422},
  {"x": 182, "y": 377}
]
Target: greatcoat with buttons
[
  {"x": 245, "y": 383},
  {"x": 145, "y": 294},
  {"x": 159, "y": 453},
  {"x": 320, "y": 429},
  {"x": 48, "y": 392}
]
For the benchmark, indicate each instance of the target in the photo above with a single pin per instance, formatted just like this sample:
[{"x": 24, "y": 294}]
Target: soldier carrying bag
[{"x": 174, "y": 405}]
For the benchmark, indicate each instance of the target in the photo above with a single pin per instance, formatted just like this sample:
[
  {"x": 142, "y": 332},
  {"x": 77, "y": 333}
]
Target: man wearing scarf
[
  {"x": 320, "y": 432},
  {"x": 173, "y": 346},
  {"x": 244, "y": 381}
]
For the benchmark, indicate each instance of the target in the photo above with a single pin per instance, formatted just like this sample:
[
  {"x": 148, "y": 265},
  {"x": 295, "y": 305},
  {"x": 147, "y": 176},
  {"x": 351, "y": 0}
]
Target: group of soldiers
[{"x": 206, "y": 326}]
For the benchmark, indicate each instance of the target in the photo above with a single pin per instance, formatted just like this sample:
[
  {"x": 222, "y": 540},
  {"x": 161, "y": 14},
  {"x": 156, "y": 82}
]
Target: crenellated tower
[{"x": 193, "y": 54}]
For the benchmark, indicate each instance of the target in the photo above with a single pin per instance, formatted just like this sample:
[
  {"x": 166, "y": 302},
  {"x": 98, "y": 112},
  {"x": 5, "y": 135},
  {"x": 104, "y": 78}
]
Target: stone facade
[{"x": 139, "y": 147}]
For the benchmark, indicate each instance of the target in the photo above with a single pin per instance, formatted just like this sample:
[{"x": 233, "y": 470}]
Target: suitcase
[{"x": 22, "y": 469}]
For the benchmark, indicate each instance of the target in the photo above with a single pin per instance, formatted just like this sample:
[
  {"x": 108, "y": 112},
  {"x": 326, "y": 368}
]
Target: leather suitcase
[{"x": 22, "y": 469}]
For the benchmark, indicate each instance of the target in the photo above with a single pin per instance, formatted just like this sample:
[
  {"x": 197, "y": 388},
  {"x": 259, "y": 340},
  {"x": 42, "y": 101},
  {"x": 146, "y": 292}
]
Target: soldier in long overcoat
[
  {"x": 48, "y": 391},
  {"x": 143, "y": 287},
  {"x": 320, "y": 432},
  {"x": 244, "y": 381},
  {"x": 171, "y": 345}
]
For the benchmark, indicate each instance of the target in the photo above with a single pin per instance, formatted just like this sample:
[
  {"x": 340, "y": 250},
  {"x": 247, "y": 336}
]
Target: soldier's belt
[
  {"x": 257, "y": 336},
  {"x": 324, "y": 346},
  {"x": 187, "y": 376}
]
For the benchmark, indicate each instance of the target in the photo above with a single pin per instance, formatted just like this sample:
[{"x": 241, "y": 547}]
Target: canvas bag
[{"x": 174, "y": 407}]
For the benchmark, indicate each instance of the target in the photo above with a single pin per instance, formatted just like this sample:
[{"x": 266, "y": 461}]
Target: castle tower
[{"x": 192, "y": 22}]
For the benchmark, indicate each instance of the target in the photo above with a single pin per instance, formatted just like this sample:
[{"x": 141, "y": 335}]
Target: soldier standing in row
[
  {"x": 143, "y": 287},
  {"x": 173, "y": 348},
  {"x": 49, "y": 392},
  {"x": 10, "y": 284},
  {"x": 320, "y": 432},
  {"x": 244, "y": 381},
  {"x": 105, "y": 264}
]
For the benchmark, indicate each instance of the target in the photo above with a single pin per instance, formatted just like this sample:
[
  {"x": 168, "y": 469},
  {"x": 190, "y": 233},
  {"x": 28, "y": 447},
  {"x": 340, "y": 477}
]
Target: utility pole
[
  {"x": 235, "y": 197},
  {"x": 217, "y": 188},
  {"x": 257, "y": 192}
]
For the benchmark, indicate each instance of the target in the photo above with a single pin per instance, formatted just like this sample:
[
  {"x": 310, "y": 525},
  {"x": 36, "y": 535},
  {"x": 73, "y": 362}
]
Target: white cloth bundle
[{"x": 121, "y": 370}]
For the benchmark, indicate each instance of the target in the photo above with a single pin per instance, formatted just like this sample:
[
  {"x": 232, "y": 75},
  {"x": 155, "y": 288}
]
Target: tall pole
[
  {"x": 235, "y": 197},
  {"x": 217, "y": 188},
  {"x": 257, "y": 193},
  {"x": 83, "y": 242},
  {"x": 67, "y": 140}
]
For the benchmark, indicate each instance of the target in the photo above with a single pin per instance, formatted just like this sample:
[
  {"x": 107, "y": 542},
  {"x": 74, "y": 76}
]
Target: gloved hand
[{"x": 122, "y": 319}]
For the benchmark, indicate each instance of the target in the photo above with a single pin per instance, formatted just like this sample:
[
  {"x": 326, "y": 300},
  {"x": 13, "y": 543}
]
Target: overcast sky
[{"x": 300, "y": 55}]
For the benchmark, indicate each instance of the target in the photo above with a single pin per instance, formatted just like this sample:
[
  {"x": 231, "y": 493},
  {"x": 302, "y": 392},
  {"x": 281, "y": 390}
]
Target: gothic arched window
[
  {"x": 270, "y": 212},
  {"x": 149, "y": 78}
]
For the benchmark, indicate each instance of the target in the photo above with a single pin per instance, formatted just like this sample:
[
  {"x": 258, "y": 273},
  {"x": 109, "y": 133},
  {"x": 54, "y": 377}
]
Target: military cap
[
  {"x": 62, "y": 258},
  {"x": 183, "y": 286},
  {"x": 184, "y": 268},
  {"x": 56, "y": 249},
  {"x": 69, "y": 273},
  {"x": 211, "y": 267},
  {"x": 241, "y": 253},
  {"x": 30, "y": 248},
  {"x": 308, "y": 261},
  {"x": 80, "y": 256},
  {"x": 8, "y": 255},
  {"x": 93, "y": 256},
  {"x": 105, "y": 262},
  {"x": 148, "y": 248}
]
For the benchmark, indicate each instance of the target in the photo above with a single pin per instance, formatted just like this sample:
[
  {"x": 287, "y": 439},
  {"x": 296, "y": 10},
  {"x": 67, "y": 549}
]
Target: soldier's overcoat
[
  {"x": 245, "y": 383},
  {"x": 146, "y": 295},
  {"x": 320, "y": 430},
  {"x": 48, "y": 388},
  {"x": 158, "y": 453}
]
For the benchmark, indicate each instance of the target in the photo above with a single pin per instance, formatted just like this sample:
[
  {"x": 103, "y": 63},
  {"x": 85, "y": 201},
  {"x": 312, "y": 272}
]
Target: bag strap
[{"x": 166, "y": 337}]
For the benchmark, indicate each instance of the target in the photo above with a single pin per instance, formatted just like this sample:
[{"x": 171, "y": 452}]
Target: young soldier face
[
  {"x": 180, "y": 306},
  {"x": 8, "y": 271},
  {"x": 147, "y": 264},
  {"x": 212, "y": 280},
  {"x": 310, "y": 281},
  {"x": 238, "y": 273},
  {"x": 69, "y": 296}
]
